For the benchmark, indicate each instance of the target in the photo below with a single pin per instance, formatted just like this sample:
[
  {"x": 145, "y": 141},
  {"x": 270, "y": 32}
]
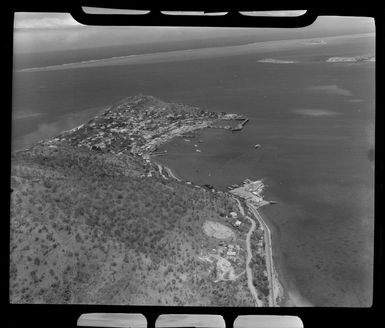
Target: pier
[
  {"x": 240, "y": 126},
  {"x": 188, "y": 135},
  {"x": 158, "y": 153}
]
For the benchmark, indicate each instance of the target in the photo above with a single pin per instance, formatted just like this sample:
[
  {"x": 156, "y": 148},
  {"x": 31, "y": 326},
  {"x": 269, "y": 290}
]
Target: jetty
[
  {"x": 240, "y": 126},
  {"x": 158, "y": 153},
  {"x": 208, "y": 186},
  {"x": 188, "y": 135},
  {"x": 251, "y": 191}
]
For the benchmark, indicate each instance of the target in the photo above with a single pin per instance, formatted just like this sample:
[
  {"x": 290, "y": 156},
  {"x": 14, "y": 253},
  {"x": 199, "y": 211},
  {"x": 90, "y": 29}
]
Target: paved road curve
[
  {"x": 161, "y": 171},
  {"x": 171, "y": 174},
  {"x": 268, "y": 250},
  {"x": 249, "y": 272}
]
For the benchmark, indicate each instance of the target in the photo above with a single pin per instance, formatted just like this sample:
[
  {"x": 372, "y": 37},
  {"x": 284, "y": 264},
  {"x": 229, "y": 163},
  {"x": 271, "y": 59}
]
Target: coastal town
[
  {"x": 140, "y": 125},
  {"x": 238, "y": 245}
]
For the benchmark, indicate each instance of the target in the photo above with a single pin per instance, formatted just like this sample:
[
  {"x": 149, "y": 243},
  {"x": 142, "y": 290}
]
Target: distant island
[
  {"x": 94, "y": 220},
  {"x": 354, "y": 59},
  {"x": 276, "y": 61}
]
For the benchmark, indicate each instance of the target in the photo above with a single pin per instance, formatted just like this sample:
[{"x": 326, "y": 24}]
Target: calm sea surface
[{"x": 313, "y": 119}]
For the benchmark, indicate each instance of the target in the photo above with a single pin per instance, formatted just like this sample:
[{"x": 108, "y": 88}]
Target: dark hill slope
[{"x": 90, "y": 226}]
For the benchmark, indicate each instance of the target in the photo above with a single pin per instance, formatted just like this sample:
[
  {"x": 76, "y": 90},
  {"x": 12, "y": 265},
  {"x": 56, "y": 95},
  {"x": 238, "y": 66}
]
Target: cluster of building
[
  {"x": 233, "y": 216},
  {"x": 137, "y": 126},
  {"x": 251, "y": 191},
  {"x": 226, "y": 259},
  {"x": 228, "y": 250}
]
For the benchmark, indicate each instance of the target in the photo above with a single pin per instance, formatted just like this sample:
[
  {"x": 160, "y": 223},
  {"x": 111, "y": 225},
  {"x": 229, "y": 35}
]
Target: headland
[{"x": 93, "y": 199}]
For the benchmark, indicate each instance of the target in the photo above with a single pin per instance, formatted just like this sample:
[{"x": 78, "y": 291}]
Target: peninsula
[{"x": 94, "y": 220}]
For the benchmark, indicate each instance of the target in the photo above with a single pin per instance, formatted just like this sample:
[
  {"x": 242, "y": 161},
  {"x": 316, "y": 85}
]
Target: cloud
[{"x": 44, "y": 21}]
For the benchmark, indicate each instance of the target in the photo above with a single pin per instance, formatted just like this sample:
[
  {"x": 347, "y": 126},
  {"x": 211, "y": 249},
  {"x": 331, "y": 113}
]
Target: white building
[
  {"x": 234, "y": 215},
  {"x": 237, "y": 223}
]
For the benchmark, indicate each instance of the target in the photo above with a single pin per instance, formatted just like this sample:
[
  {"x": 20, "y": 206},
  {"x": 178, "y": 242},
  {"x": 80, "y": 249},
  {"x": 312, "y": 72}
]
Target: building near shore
[{"x": 251, "y": 191}]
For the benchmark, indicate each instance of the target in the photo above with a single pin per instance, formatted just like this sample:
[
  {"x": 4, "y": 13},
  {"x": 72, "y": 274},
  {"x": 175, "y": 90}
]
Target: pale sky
[{"x": 36, "y": 32}]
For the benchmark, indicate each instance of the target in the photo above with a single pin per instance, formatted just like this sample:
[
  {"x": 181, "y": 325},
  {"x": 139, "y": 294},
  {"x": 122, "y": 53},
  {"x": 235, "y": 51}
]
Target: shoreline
[
  {"x": 145, "y": 152},
  {"x": 284, "y": 287},
  {"x": 291, "y": 295},
  {"x": 280, "y": 289},
  {"x": 277, "y": 267},
  {"x": 249, "y": 257},
  {"x": 267, "y": 250},
  {"x": 84, "y": 117}
]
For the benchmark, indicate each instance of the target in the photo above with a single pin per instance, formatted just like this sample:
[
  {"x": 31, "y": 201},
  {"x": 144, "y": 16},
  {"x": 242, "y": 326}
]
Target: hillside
[{"x": 93, "y": 220}]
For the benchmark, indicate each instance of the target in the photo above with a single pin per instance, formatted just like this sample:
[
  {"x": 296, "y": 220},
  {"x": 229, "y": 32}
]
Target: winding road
[
  {"x": 249, "y": 272},
  {"x": 161, "y": 171},
  {"x": 172, "y": 175},
  {"x": 268, "y": 250}
]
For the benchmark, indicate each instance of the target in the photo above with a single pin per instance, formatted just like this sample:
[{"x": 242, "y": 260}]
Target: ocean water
[{"x": 314, "y": 121}]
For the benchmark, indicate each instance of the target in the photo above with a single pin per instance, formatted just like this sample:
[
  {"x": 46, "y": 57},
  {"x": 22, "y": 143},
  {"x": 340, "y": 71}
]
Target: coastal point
[
  {"x": 224, "y": 248},
  {"x": 193, "y": 166}
]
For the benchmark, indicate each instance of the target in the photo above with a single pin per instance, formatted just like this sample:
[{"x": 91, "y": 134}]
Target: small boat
[
  {"x": 197, "y": 150},
  {"x": 257, "y": 146},
  {"x": 273, "y": 202}
]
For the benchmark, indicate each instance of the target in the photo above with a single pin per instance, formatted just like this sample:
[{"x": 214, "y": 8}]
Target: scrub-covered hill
[{"x": 93, "y": 220}]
